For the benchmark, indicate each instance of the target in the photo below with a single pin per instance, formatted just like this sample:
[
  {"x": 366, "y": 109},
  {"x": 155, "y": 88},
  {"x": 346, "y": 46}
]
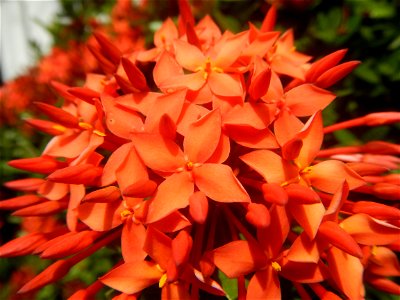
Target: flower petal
[
  {"x": 256, "y": 115},
  {"x": 158, "y": 153},
  {"x": 303, "y": 249},
  {"x": 331, "y": 232},
  {"x": 101, "y": 216},
  {"x": 384, "y": 262},
  {"x": 203, "y": 137},
  {"x": 131, "y": 170},
  {"x": 132, "y": 241},
  {"x": 228, "y": 85},
  {"x": 165, "y": 68},
  {"x": 170, "y": 105},
  {"x": 306, "y": 99},
  {"x": 304, "y": 272},
  {"x": 270, "y": 165},
  {"x": 370, "y": 231},
  {"x": 250, "y": 137},
  {"x": 311, "y": 136},
  {"x": 337, "y": 171},
  {"x": 188, "y": 56},
  {"x": 286, "y": 127},
  {"x": 120, "y": 120},
  {"x": 251, "y": 258},
  {"x": 115, "y": 160},
  {"x": 264, "y": 285},
  {"x": 230, "y": 49},
  {"x": 158, "y": 246},
  {"x": 226, "y": 189},
  {"x": 343, "y": 266},
  {"x": 69, "y": 145},
  {"x": 172, "y": 194},
  {"x": 133, "y": 277},
  {"x": 309, "y": 216}
]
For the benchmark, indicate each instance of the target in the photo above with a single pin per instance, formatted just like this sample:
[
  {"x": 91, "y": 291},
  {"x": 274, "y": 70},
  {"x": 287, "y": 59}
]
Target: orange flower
[{"x": 138, "y": 152}]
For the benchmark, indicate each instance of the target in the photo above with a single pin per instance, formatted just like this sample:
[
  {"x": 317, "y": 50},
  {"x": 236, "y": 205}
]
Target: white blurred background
[{"x": 20, "y": 23}]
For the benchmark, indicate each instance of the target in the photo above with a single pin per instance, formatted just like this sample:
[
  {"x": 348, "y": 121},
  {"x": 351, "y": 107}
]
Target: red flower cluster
[
  {"x": 212, "y": 163},
  {"x": 72, "y": 63}
]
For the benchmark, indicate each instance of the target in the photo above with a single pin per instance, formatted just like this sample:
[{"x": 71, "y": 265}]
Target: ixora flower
[{"x": 210, "y": 173}]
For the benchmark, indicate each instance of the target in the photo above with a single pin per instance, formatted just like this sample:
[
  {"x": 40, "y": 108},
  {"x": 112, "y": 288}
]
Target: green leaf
[
  {"x": 376, "y": 133},
  {"x": 229, "y": 285},
  {"x": 366, "y": 72},
  {"x": 382, "y": 10},
  {"x": 346, "y": 138}
]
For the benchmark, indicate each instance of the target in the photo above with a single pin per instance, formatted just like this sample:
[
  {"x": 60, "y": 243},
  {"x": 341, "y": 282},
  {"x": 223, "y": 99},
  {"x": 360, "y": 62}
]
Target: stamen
[
  {"x": 162, "y": 281},
  {"x": 217, "y": 69},
  {"x": 207, "y": 68},
  {"x": 85, "y": 125},
  {"x": 306, "y": 170},
  {"x": 277, "y": 267},
  {"x": 159, "y": 268},
  {"x": 293, "y": 180},
  {"x": 189, "y": 166},
  {"x": 125, "y": 213},
  {"x": 99, "y": 133},
  {"x": 374, "y": 250},
  {"x": 59, "y": 128}
]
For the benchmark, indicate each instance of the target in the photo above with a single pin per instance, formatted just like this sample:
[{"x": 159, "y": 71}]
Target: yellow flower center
[
  {"x": 88, "y": 126},
  {"x": 189, "y": 166},
  {"x": 126, "y": 213},
  {"x": 277, "y": 267},
  {"x": 306, "y": 170},
  {"x": 207, "y": 68}
]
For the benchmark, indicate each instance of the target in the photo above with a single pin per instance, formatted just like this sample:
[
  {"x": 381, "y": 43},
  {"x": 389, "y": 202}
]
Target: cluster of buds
[{"x": 203, "y": 157}]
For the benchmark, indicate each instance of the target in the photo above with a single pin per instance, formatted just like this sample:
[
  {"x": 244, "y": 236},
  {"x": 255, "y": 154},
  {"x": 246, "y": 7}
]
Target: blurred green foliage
[{"x": 370, "y": 30}]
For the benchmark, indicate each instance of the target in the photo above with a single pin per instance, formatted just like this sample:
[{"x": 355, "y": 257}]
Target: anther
[
  {"x": 126, "y": 213},
  {"x": 277, "y": 267},
  {"x": 189, "y": 166},
  {"x": 59, "y": 128},
  {"x": 85, "y": 125},
  {"x": 306, "y": 170},
  {"x": 99, "y": 133},
  {"x": 162, "y": 281}
]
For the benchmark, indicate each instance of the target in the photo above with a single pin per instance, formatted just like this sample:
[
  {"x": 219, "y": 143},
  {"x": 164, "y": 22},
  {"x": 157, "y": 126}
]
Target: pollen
[
  {"x": 125, "y": 213},
  {"x": 84, "y": 125},
  {"x": 306, "y": 170},
  {"x": 162, "y": 281},
  {"x": 277, "y": 267},
  {"x": 189, "y": 166},
  {"x": 207, "y": 68},
  {"x": 99, "y": 133},
  {"x": 59, "y": 128}
]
